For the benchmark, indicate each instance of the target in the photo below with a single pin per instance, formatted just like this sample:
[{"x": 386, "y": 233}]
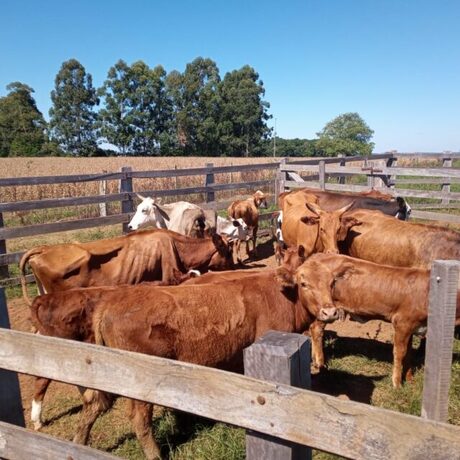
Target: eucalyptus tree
[
  {"x": 72, "y": 115},
  {"x": 137, "y": 113},
  {"x": 243, "y": 113},
  {"x": 22, "y": 126}
]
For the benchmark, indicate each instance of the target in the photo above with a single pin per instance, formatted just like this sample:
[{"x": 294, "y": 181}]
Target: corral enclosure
[{"x": 16, "y": 219}]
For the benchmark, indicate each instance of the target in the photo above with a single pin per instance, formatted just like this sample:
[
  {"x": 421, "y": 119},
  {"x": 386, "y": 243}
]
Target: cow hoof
[{"x": 38, "y": 426}]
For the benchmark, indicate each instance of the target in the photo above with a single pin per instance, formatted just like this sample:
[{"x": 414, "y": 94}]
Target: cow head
[
  {"x": 222, "y": 259},
  {"x": 314, "y": 283},
  {"x": 260, "y": 199},
  {"x": 148, "y": 213},
  {"x": 332, "y": 225},
  {"x": 404, "y": 209}
]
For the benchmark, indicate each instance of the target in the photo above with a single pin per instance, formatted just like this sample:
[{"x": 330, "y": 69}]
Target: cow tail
[
  {"x": 22, "y": 268},
  {"x": 98, "y": 317}
]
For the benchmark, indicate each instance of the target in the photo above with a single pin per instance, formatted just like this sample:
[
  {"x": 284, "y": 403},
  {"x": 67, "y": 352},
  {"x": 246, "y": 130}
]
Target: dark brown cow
[
  {"x": 398, "y": 295},
  {"x": 248, "y": 210},
  {"x": 384, "y": 240},
  {"x": 147, "y": 255},
  {"x": 200, "y": 324},
  {"x": 331, "y": 201}
]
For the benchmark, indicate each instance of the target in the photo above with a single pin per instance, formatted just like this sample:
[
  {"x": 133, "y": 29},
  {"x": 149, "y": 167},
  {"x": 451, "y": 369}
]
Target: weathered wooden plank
[
  {"x": 11, "y": 258},
  {"x": 280, "y": 358},
  {"x": 60, "y": 202},
  {"x": 322, "y": 175},
  {"x": 209, "y": 180},
  {"x": 435, "y": 216},
  {"x": 444, "y": 284},
  {"x": 434, "y": 180},
  {"x": 342, "y": 427},
  {"x": 42, "y": 180},
  {"x": 16, "y": 281},
  {"x": 41, "y": 229},
  {"x": 19, "y": 444},
  {"x": 10, "y": 394}
]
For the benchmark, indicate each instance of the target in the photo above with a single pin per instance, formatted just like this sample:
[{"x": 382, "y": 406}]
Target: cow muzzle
[{"x": 328, "y": 314}]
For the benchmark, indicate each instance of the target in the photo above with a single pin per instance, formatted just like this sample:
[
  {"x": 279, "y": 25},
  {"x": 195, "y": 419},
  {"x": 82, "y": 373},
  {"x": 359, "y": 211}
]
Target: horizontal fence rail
[{"x": 345, "y": 428}]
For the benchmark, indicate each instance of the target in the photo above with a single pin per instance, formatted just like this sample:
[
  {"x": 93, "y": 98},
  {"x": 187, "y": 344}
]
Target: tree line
[{"x": 141, "y": 110}]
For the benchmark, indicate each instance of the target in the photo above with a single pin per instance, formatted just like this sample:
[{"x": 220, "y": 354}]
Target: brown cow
[
  {"x": 384, "y": 240},
  {"x": 398, "y": 295},
  {"x": 72, "y": 320},
  {"x": 331, "y": 201},
  {"x": 248, "y": 210},
  {"x": 316, "y": 230},
  {"x": 140, "y": 256},
  {"x": 200, "y": 324}
]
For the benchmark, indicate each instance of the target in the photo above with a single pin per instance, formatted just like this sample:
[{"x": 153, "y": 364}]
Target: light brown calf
[{"x": 248, "y": 210}]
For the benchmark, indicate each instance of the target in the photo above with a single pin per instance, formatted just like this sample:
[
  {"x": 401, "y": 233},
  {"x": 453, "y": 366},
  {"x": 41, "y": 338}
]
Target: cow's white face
[
  {"x": 233, "y": 229},
  {"x": 147, "y": 213}
]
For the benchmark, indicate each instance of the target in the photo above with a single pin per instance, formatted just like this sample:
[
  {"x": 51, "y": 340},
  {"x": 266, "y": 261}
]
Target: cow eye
[{"x": 304, "y": 284}]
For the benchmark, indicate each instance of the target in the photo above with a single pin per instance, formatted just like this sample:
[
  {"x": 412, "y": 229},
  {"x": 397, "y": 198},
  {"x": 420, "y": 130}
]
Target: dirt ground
[{"x": 373, "y": 334}]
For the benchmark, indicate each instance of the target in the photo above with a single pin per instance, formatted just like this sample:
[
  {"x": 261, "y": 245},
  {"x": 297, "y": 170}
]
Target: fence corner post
[
  {"x": 444, "y": 283},
  {"x": 126, "y": 186},
  {"x": 209, "y": 181},
  {"x": 281, "y": 358},
  {"x": 280, "y": 179},
  {"x": 322, "y": 174},
  {"x": 10, "y": 394}
]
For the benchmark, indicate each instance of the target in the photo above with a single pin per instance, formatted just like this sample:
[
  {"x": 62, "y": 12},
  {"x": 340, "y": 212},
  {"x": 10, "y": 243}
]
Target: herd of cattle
[{"x": 338, "y": 253}]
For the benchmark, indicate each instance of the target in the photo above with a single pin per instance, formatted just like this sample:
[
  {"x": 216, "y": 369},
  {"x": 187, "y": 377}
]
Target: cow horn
[
  {"x": 142, "y": 198},
  {"x": 314, "y": 208},
  {"x": 345, "y": 208}
]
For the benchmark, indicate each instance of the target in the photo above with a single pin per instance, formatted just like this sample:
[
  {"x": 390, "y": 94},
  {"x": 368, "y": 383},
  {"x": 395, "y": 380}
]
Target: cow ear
[
  {"x": 219, "y": 243},
  {"x": 301, "y": 251},
  {"x": 314, "y": 208},
  {"x": 285, "y": 277},
  {"x": 162, "y": 212},
  {"x": 310, "y": 220},
  {"x": 345, "y": 271},
  {"x": 345, "y": 224}
]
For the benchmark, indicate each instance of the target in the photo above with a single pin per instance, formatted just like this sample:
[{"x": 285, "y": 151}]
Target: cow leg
[
  {"x": 254, "y": 238},
  {"x": 401, "y": 342},
  {"x": 316, "y": 334},
  {"x": 236, "y": 252},
  {"x": 141, "y": 418},
  {"x": 95, "y": 403},
  {"x": 40, "y": 386}
]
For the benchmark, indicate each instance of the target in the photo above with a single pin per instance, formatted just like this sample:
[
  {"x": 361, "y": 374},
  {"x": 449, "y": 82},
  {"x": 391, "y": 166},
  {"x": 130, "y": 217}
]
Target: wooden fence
[
  {"x": 384, "y": 178},
  {"x": 381, "y": 171},
  {"x": 277, "y": 410}
]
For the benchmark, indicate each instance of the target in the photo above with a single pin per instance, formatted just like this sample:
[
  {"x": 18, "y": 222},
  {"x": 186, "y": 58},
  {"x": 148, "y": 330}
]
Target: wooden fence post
[
  {"x": 209, "y": 180},
  {"x": 103, "y": 191},
  {"x": 322, "y": 174},
  {"x": 446, "y": 163},
  {"x": 280, "y": 179},
  {"x": 444, "y": 282},
  {"x": 10, "y": 393},
  {"x": 4, "y": 273},
  {"x": 281, "y": 358},
  {"x": 391, "y": 163},
  {"x": 126, "y": 185},
  {"x": 342, "y": 163}
]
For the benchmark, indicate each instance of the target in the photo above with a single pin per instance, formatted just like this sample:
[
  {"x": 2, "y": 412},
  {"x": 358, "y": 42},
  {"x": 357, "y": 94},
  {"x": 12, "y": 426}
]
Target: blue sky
[{"x": 396, "y": 63}]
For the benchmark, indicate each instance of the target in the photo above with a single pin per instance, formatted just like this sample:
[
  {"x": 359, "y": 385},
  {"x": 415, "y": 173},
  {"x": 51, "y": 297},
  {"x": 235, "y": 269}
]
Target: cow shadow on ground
[
  {"x": 340, "y": 347},
  {"x": 339, "y": 383},
  {"x": 265, "y": 250},
  {"x": 70, "y": 411}
]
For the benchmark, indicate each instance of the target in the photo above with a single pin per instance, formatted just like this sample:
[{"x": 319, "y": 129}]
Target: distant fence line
[{"x": 382, "y": 177}]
